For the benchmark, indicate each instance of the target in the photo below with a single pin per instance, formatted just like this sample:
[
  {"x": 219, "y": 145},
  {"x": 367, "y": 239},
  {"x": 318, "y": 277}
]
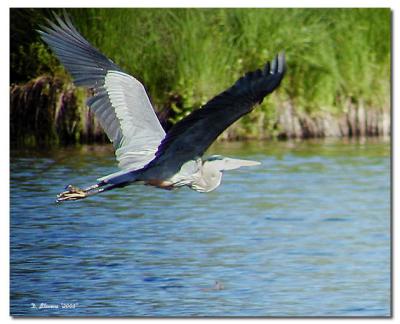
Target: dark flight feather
[{"x": 190, "y": 138}]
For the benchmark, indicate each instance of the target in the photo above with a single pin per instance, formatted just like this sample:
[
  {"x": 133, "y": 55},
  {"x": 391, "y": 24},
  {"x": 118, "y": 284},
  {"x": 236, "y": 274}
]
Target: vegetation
[{"x": 337, "y": 58}]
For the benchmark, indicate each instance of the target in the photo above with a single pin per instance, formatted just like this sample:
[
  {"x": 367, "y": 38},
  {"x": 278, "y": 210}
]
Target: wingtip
[
  {"x": 55, "y": 15},
  {"x": 277, "y": 65},
  {"x": 274, "y": 64},
  {"x": 281, "y": 62}
]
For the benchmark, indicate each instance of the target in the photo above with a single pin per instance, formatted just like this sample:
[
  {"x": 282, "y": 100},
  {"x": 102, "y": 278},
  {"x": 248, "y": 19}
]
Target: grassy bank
[{"x": 338, "y": 63}]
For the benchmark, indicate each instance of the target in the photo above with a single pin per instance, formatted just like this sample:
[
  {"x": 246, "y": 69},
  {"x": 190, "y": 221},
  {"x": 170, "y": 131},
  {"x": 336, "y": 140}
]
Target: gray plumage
[
  {"x": 144, "y": 151},
  {"x": 120, "y": 102}
]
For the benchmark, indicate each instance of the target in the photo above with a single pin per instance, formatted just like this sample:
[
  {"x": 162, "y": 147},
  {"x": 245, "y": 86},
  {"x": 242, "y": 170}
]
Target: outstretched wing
[
  {"x": 120, "y": 102},
  {"x": 190, "y": 138}
]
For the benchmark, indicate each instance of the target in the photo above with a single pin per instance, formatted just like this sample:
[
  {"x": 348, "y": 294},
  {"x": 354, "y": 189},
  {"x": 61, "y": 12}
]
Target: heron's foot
[{"x": 72, "y": 193}]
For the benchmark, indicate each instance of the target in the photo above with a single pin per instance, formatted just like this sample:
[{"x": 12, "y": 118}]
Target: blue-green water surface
[{"x": 306, "y": 233}]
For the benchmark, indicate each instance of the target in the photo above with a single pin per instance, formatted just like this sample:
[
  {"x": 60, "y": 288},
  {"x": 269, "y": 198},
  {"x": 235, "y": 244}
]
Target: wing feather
[
  {"x": 189, "y": 138},
  {"x": 120, "y": 102}
]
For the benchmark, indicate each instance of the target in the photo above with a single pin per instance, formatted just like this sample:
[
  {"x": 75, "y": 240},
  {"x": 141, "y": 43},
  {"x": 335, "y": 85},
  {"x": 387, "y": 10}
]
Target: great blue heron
[{"x": 146, "y": 154}]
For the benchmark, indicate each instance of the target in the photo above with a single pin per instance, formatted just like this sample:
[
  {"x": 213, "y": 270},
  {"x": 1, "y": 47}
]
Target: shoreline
[{"x": 50, "y": 111}]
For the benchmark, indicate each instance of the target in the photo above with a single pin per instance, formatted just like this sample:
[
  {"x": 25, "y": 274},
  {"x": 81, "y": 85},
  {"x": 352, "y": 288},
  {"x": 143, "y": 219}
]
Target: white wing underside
[
  {"x": 141, "y": 130},
  {"x": 120, "y": 102}
]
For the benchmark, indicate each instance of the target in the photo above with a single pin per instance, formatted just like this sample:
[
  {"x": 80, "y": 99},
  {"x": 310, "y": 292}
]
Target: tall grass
[
  {"x": 332, "y": 53},
  {"x": 334, "y": 56}
]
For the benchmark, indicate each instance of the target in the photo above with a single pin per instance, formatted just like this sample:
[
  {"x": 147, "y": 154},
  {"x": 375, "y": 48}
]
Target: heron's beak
[{"x": 231, "y": 164}]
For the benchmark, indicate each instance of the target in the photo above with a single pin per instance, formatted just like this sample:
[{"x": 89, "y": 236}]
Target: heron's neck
[{"x": 208, "y": 179}]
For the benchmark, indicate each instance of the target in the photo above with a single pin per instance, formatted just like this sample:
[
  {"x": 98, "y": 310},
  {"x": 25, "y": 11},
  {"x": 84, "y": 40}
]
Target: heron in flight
[{"x": 145, "y": 153}]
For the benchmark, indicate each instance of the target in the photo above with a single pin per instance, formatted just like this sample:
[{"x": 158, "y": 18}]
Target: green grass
[{"x": 334, "y": 56}]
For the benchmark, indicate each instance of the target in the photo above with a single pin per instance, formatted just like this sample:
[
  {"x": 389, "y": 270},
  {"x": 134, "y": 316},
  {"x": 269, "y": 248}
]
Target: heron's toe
[{"x": 73, "y": 193}]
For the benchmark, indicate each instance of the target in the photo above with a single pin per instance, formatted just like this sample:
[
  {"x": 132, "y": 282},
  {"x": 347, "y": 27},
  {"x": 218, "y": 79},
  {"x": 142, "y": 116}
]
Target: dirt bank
[{"x": 48, "y": 111}]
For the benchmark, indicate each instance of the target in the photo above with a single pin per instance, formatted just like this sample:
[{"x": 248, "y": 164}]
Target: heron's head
[{"x": 213, "y": 167}]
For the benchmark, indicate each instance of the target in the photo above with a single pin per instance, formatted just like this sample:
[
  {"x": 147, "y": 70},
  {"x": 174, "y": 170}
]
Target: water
[{"x": 307, "y": 233}]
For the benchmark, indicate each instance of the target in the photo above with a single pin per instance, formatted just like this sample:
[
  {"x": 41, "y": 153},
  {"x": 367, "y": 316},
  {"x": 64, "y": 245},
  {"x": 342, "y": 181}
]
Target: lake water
[{"x": 306, "y": 233}]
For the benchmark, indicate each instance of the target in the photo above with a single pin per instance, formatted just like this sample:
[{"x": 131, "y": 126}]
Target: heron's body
[
  {"x": 145, "y": 152},
  {"x": 200, "y": 175},
  {"x": 192, "y": 174}
]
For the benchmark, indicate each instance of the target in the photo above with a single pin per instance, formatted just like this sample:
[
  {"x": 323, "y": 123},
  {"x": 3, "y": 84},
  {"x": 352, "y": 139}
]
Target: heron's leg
[{"x": 112, "y": 186}]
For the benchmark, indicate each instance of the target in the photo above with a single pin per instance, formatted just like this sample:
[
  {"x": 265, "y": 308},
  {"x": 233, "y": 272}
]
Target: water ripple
[{"x": 306, "y": 233}]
